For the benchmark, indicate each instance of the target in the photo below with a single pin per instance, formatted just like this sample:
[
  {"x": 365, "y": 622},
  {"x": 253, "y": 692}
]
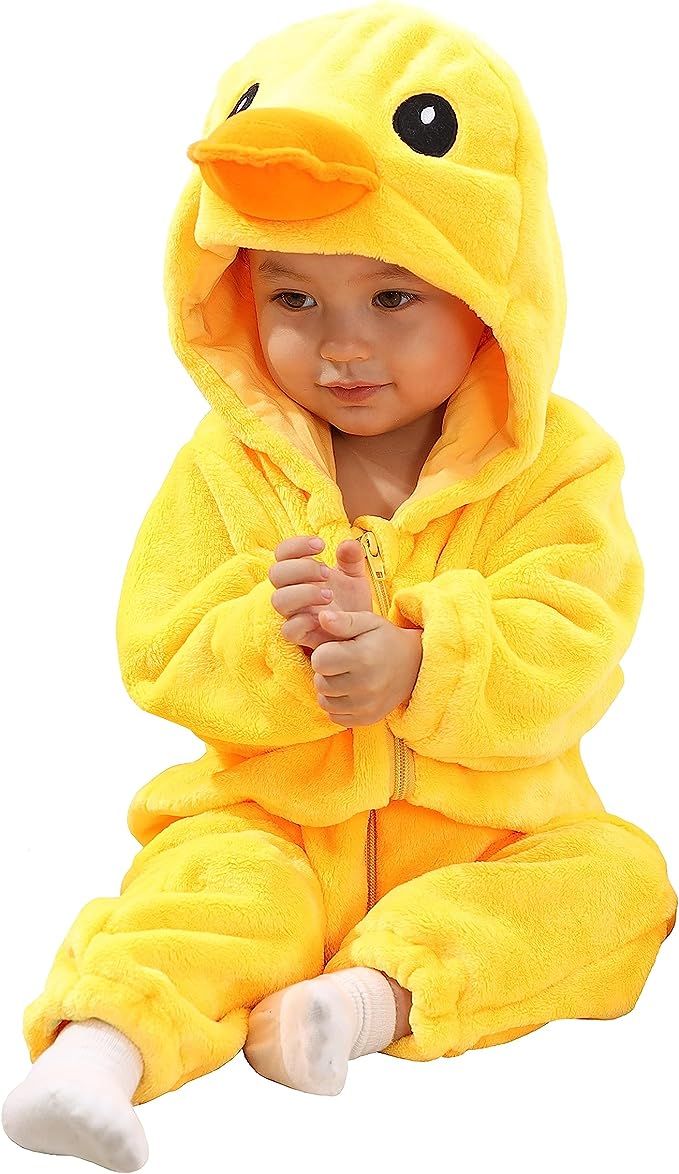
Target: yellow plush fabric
[{"x": 459, "y": 844}]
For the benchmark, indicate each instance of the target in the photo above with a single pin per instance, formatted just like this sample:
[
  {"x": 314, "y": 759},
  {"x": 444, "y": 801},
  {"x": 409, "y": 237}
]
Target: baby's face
[{"x": 340, "y": 320}]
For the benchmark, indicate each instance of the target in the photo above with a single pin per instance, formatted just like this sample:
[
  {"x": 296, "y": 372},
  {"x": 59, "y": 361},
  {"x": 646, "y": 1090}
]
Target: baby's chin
[
  {"x": 367, "y": 418},
  {"x": 361, "y": 419}
]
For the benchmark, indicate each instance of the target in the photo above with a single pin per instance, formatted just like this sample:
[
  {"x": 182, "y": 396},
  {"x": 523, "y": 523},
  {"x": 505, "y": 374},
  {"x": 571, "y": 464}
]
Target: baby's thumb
[{"x": 350, "y": 558}]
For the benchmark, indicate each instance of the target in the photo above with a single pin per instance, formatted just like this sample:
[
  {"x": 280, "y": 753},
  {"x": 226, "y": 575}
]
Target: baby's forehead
[{"x": 268, "y": 263}]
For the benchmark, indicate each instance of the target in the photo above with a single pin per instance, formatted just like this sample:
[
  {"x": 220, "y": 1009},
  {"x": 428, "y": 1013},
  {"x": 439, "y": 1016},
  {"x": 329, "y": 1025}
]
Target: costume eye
[
  {"x": 426, "y": 123},
  {"x": 245, "y": 99}
]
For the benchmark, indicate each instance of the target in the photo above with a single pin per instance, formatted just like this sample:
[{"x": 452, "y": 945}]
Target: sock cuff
[
  {"x": 104, "y": 1043},
  {"x": 375, "y": 1008}
]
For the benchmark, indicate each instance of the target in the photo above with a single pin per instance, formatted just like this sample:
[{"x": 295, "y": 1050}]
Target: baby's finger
[
  {"x": 298, "y": 629},
  {"x": 350, "y": 555},
  {"x": 289, "y": 571},
  {"x": 298, "y": 546},
  {"x": 351, "y": 546},
  {"x": 292, "y": 598}
]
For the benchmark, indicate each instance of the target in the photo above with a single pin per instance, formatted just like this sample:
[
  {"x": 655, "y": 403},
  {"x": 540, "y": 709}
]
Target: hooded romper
[{"x": 458, "y": 844}]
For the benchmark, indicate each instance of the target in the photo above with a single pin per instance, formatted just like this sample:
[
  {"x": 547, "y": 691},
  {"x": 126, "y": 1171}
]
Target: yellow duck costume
[{"x": 458, "y": 845}]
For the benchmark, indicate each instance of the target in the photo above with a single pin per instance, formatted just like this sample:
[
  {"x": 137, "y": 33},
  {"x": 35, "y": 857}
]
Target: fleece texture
[{"x": 458, "y": 845}]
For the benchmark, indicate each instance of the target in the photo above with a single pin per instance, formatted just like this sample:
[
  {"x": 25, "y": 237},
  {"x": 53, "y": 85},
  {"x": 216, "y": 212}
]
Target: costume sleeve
[
  {"x": 521, "y": 660},
  {"x": 199, "y": 640}
]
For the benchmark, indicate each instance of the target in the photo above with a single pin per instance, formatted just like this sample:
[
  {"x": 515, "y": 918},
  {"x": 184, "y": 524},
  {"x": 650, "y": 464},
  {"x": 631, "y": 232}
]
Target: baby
[{"x": 363, "y": 278}]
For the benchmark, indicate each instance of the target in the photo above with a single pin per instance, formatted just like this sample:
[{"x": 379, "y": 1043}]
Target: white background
[{"x": 99, "y": 103}]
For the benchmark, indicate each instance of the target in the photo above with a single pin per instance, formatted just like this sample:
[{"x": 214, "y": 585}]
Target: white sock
[
  {"x": 375, "y": 1008},
  {"x": 304, "y": 1035},
  {"x": 77, "y": 1097}
]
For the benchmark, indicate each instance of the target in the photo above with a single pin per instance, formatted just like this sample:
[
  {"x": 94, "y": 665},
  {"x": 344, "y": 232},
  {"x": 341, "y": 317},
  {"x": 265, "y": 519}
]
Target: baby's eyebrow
[{"x": 272, "y": 268}]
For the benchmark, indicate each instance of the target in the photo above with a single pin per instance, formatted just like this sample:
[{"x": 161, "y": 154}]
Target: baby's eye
[
  {"x": 289, "y": 293},
  {"x": 400, "y": 293}
]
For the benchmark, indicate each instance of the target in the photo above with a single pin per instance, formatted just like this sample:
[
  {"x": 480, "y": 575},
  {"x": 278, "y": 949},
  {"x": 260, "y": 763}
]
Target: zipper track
[{"x": 403, "y": 755}]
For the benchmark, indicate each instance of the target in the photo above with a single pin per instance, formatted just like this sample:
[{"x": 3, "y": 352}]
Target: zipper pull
[{"x": 367, "y": 539}]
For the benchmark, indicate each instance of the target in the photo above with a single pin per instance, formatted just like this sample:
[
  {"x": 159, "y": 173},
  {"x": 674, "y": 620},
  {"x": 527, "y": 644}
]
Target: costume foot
[
  {"x": 304, "y": 1035},
  {"x": 76, "y": 1099}
]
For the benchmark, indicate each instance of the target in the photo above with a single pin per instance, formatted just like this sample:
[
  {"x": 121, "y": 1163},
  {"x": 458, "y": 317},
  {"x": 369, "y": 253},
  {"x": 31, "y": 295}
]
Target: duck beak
[{"x": 280, "y": 163}]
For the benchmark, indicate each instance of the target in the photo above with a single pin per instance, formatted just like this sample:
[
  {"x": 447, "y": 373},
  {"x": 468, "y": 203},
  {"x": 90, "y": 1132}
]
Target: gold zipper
[
  {"x": 404, "y": 767},
  {"x": 371, "y": 858}
]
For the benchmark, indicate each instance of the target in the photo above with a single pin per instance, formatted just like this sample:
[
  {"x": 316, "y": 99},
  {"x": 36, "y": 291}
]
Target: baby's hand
[
  {"x": 379, "y": 662},
  {"x": 297, "y": 575}
]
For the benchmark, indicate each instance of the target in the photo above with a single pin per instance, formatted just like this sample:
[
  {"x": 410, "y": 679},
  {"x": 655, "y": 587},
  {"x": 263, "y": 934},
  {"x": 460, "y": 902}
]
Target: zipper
[
  {"x": 403, "y": 755},
  {"x": 371, "y": 858}
]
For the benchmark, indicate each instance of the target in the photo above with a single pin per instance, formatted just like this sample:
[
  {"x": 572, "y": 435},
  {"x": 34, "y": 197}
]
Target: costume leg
[
  {"x": 217, "y": 910},
  {"x": 564, "y": 923}
]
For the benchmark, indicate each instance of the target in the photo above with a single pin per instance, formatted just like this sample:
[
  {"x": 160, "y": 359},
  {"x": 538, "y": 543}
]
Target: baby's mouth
[{"x": 355, "y": 393}]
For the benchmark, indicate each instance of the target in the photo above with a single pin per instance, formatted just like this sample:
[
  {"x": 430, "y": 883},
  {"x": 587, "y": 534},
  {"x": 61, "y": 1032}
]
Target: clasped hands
[{"x": 364, "y": 665}]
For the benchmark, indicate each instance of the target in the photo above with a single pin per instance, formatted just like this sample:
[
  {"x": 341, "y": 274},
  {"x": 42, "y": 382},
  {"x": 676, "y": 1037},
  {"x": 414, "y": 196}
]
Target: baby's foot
[
  {"x": 76, "y": 1099},
  {"x": 304, "y": 1035}
]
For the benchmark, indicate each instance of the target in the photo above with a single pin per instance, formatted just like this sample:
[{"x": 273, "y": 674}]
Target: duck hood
[{"x": 385, "y": 132}]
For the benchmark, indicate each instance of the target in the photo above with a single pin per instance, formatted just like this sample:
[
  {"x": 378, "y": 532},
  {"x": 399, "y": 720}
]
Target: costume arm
[
  {"x": 199, "y": 640},
  {"x": 519, "y": 661}
]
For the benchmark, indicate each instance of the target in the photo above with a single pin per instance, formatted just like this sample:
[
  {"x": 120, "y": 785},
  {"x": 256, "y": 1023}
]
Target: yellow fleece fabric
[{"x": 459, "y": 844}]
